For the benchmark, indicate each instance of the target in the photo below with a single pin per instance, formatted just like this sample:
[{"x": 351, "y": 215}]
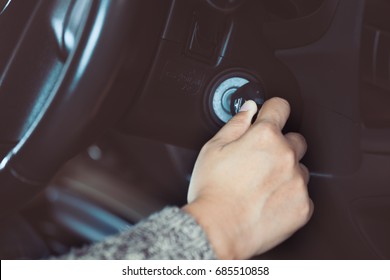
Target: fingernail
[{"x": 248, "y": 106}]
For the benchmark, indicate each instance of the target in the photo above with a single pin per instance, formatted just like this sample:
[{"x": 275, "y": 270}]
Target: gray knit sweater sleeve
[{"x": 168, "y": 234}]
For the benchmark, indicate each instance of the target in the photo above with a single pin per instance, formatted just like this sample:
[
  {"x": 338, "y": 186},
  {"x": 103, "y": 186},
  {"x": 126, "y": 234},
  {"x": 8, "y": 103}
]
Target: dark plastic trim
[{"x": 294, "y": 33}]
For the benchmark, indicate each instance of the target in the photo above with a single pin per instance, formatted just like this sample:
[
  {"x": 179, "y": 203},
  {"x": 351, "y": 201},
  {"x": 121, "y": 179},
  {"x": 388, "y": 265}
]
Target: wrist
[{"x": 219, "y": 237}]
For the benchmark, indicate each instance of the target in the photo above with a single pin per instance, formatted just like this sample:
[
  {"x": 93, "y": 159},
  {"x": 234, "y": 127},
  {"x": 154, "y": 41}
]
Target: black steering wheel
[{"x": 59, "y": 62}]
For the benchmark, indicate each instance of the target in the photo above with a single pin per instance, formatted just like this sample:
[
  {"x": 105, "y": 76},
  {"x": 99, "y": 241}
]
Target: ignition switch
[{"x": 230, "y": 92}]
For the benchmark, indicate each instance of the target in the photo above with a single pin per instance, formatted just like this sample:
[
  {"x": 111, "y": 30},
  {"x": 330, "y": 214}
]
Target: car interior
[{"x": 105, "y": 104}]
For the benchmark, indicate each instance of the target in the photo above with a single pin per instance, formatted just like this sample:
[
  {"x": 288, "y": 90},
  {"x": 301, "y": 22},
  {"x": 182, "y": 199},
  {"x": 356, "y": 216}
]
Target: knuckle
[
  {"x": 267, "y": 130},
  {"x": 301, "y": 138},
  {"x": 289, "y": 157},
  {"x": 300, "y": 184},
  {"x": 298, "y": 138},
  {"x": 305, "y": 210},
  {"x": 304, "y": 171}
]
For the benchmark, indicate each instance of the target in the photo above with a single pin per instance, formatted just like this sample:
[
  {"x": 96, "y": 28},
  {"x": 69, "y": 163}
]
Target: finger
[
  {"x": 298, "y": 144},
  {"x": 305, "y": 173},
  {"x": 276, "y": 111},
  {"x": 311, "y": 209},
  {"x": 237, "y": 125},
  {"x": 306, "y": 178}
]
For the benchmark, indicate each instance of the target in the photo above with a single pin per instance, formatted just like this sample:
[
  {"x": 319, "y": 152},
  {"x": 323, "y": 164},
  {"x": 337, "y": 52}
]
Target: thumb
[{"x": 237, "y": 125}]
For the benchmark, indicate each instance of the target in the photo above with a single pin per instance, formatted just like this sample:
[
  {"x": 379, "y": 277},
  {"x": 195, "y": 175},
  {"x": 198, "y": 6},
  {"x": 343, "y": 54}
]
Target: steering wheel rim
[{"x": 73, "y": 113}]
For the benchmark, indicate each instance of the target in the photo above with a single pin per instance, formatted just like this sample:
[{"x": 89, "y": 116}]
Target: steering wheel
[{"x": 59, "y": 62}]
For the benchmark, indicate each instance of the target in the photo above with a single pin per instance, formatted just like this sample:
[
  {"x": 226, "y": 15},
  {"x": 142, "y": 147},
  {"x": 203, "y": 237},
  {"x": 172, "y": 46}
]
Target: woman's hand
[{"x": 248, "y": 190}]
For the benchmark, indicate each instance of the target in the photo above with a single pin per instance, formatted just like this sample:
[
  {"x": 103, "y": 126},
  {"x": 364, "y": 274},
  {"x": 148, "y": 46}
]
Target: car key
[{"x": 250, "y": 91}]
